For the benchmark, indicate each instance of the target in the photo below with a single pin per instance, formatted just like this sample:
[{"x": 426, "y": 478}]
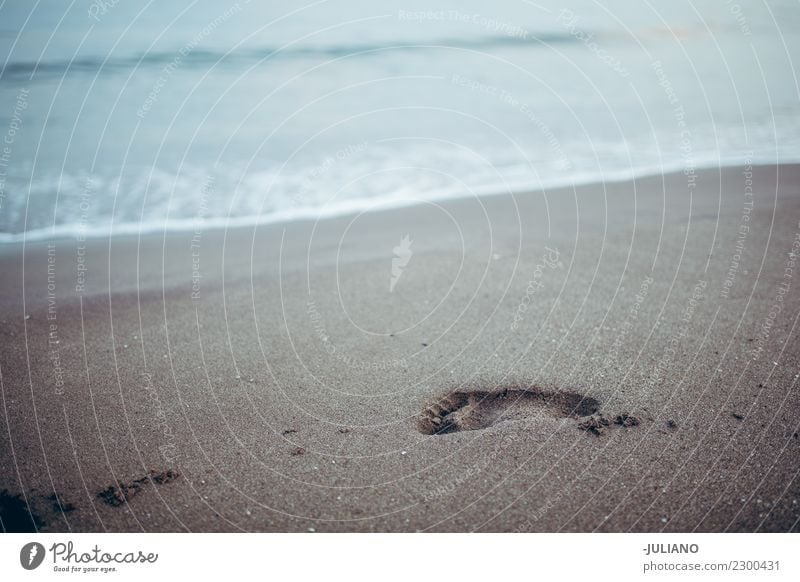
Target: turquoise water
[{"x": 123, "y": 117}]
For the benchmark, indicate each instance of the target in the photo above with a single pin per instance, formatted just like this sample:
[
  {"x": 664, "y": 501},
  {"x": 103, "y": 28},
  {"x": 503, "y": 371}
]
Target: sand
[{"x": 618, "y": 357}]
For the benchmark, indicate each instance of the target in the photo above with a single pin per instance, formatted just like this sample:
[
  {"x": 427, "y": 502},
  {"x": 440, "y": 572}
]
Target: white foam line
[{"x": 356, "y": 205}]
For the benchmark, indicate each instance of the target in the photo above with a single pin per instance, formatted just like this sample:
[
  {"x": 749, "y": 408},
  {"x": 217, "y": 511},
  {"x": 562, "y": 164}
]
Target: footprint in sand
[{"x": 476, "y": 409}]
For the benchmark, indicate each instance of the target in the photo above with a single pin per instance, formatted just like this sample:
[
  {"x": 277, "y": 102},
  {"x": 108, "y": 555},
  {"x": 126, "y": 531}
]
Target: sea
[{"x": 122, "y": 117}]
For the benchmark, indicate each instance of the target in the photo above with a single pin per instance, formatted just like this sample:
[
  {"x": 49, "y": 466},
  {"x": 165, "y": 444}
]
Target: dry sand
[{"x": 606, "y": 376}]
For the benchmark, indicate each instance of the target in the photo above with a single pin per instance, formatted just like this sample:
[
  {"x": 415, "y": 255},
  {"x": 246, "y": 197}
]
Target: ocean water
[{"x": 127, "y": 117}]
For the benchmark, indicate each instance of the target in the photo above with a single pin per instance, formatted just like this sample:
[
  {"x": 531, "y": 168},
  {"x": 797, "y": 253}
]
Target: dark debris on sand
[
  {"x": 58, "y": 505},
  {"x": 626, "y": 420},
  {"x": 594, "y": 424},
  {"x": 298, "y": 451},
  {"x": 16, "y": 516},
  {"x": 118, "y": 495}
]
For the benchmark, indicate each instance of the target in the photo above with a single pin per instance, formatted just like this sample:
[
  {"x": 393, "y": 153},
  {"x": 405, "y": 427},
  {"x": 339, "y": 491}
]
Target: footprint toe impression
[{"x": 477, "y": 409}]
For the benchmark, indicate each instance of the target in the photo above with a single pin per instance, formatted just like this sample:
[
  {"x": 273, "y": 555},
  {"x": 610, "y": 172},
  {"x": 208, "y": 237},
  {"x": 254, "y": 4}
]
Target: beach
[{"x": 617, "y": 356}]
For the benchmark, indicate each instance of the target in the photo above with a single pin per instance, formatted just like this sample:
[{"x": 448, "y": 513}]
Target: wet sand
[{"x": 618, "y": 357}]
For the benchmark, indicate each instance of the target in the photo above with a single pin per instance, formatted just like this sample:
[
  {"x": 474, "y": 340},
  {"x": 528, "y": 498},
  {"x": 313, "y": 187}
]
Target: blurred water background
[{"x": 131, "y": 117}]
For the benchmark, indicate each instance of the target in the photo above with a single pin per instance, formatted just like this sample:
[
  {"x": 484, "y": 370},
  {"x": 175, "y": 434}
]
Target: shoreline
[
  {"x": 596, "y": 359},
  {"x": 356, "y": 206}
]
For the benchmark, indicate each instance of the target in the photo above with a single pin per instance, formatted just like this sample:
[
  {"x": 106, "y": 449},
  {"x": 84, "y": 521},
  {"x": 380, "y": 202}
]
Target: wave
[
  {"x": 202, "y": 58},
  {"x": 205, "y": 219}
]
